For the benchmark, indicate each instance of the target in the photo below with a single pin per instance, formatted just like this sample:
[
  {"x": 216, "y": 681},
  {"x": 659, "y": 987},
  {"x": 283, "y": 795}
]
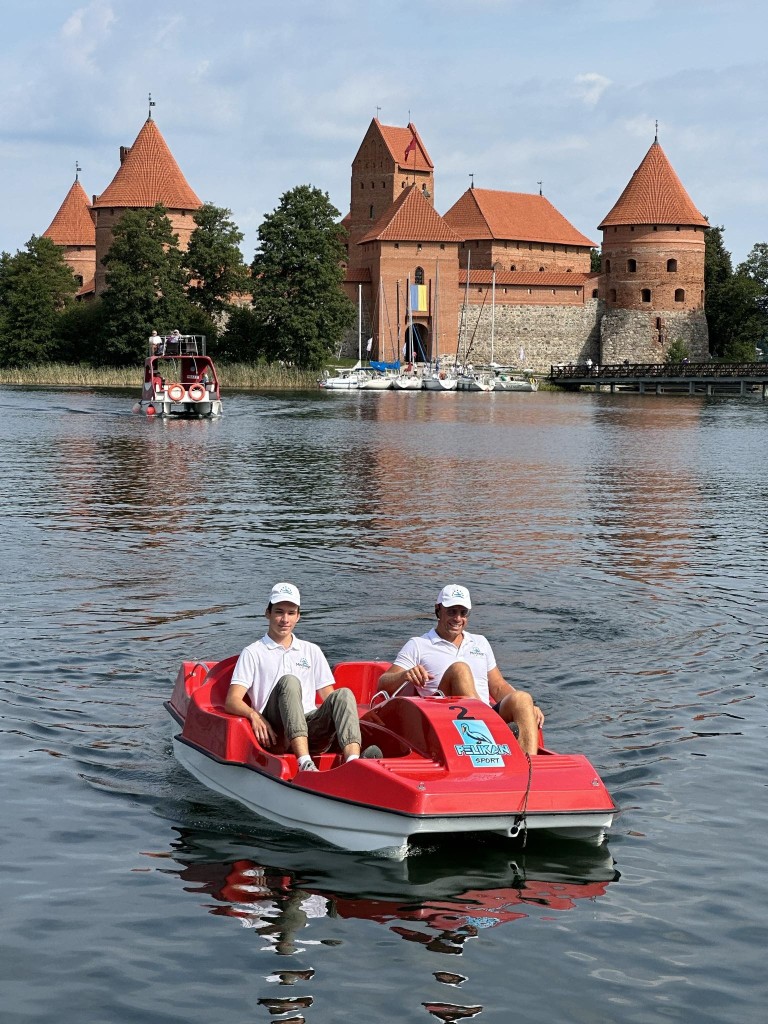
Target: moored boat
[
  {"x": 343, "y": 379},
  {"x": 448, "y": 766},
  {"x": 179, "y": 379}
]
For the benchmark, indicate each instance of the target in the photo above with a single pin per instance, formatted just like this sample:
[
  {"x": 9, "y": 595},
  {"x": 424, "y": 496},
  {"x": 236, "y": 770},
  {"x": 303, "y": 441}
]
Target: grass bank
[{"x": 256, "y": 376}]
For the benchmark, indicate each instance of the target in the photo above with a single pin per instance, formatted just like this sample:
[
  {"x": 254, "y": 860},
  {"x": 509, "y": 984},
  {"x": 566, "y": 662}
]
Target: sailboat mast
[
  {"x": 437, "y": 312},
  {"x": 360, "y": 323},
  {"x": 466, "y": 303},
  {"x": 493, "y": 308}
]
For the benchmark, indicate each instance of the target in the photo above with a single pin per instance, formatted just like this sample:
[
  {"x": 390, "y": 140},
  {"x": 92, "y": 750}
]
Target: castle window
[
  {"x": 677, "y": 228},
  {"x": 541, "y": 270},
  {"x": 79, "y": 279},
  {"x": 370, "y": 211},
  {"x": 513, "y": 267},
  {"x": 607, "y": 266},
  {"x": 442, "y": 245},
  {"x": 418, "y": 275},
  {"x": 645, "y": 295},
  {"x": 612, "y": 295},
  {"x": 383, "y": 184},
  {"x": 655, "y": 227},
  {"x": 671, "y": 266},
  {"x": 594, "y": 293},
  {"x": 418, "y": 248},
  {"x": 397, "y": 245},
  {"x": 373, "y": 184},
  {"x": 362, "y": 184},
  {"x": 632, "y": 228},
  {"x": 632, "y": 266},
  {"x": 679, "y": 295}
]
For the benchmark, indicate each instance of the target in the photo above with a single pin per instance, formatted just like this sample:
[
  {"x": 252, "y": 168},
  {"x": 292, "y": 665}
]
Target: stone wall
[
  {"x": 546, "y": 335},
  {"x": 645, "y": 337}
]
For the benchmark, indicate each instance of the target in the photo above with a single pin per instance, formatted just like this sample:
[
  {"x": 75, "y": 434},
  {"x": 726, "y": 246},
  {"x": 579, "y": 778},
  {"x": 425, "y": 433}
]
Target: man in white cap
[
  {"x": 462, "y": 664},
  {"x": 282, "y": 676}
]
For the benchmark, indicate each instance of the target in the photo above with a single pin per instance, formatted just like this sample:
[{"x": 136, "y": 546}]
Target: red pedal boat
[{"x": 448, "y": 766}]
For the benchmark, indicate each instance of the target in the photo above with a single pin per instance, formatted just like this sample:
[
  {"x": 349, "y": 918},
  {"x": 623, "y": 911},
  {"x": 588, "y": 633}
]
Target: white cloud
[{"x": 591, "y": 86}]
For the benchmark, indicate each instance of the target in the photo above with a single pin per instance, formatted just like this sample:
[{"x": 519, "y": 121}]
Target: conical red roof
[
  {"x": 654, "y": 195},
  {"x": 73, "y": 224},
  {"x": 148, "y": 175},
  {"x": 411, "y": 218}
]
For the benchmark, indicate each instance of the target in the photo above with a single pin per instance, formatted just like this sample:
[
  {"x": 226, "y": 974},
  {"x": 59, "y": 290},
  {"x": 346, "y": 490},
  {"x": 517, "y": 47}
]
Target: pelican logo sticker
[
  {"x": 478, "y": 744},
  {"x": 303, "y": 663}
]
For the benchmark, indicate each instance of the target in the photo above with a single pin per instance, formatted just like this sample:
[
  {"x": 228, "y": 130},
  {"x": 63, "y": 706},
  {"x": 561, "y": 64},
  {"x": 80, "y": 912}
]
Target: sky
[{"x": 255, "y": 98}]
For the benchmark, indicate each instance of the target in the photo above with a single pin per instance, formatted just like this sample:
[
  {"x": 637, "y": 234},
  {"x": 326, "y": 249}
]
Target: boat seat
[{"x": 361, "y": 677}]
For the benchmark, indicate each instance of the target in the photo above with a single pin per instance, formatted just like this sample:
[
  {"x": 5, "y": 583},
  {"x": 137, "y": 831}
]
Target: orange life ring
[
  {"x": 176, "y": 392},
  {"x": 197, "y": 392}
]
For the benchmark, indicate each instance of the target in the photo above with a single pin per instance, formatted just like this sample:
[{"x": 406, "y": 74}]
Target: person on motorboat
[
  {"x": 281, "y": 676},
  {"x": 456, "y": 663}
]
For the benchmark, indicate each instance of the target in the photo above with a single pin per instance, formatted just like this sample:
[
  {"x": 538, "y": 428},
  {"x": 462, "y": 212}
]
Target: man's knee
[
  {"x": 457, "y": 679},
  {"x": 288, "y": 683},
  {"x": 342, "y": 698}
]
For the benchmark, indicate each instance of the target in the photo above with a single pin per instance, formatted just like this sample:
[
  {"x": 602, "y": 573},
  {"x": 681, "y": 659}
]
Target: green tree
[
  {"x": 677, "y": 352},
  {"x": 242, "y": 339},
  {"x": 736, "y": 303},
  {"x": 298, "y": 303},
  {"x": 595, "y": 261},
  {"x": 36, "y": 286},
  {"x": 214, "y": 262},
  {"x": 145, "y": 286}
]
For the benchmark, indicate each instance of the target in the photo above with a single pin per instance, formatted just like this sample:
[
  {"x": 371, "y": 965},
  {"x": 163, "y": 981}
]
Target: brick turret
[
  {"x": 72, "y": 229},
  {"x": 148, "y": 174},
  {"x": 652, "y": 275}
]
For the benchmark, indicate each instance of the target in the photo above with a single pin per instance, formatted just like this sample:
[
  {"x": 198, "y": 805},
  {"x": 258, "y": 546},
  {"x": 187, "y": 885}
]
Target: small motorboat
[
  {"x": 447, "y": 766},
  {"x": 179, "y": 379}
]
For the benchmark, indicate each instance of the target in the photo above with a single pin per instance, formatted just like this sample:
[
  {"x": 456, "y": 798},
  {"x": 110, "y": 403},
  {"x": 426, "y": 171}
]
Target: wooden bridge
[{"x": 665, "y": 378}]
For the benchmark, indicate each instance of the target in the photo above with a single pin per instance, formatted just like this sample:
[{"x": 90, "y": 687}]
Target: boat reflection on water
[{"x": 439, "y": 898}]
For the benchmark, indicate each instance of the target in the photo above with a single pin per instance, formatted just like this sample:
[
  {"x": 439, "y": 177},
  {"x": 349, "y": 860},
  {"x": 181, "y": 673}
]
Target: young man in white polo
[
  {"x": 462, "y": 664},
  {"x": 282, "y": 675}
]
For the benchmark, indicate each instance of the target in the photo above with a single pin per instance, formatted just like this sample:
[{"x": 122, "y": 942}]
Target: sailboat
[
  {"x": 439, "y": 380},
  {"x": 380, "y": 374},
  {"x": 408, "y": 379}
]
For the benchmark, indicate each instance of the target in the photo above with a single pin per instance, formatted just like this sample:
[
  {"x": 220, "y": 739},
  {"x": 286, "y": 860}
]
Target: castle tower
[
  {"x": 72, "y": 229},
  {"x": 652, "y": 275},
  {"x": 411, "y": 258},
  {"x": 148, "y": 174},
  {"x": 388, "y": 161}
]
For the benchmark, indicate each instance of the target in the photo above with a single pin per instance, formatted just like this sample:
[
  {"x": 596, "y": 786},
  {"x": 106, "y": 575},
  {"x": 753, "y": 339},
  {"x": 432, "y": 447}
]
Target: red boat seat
[{"x": 361, "y": 677}]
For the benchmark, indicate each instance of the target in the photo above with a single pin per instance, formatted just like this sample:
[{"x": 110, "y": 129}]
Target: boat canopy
[{"x": 377, "y": 365}]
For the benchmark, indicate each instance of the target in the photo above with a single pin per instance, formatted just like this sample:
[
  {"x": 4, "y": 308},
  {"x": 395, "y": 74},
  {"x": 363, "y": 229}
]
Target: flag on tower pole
[{"x": 411, "y": 147}]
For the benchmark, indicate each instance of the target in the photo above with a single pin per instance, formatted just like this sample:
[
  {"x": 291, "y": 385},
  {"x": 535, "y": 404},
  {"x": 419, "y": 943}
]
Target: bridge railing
[{"x": 635, "y": 371}]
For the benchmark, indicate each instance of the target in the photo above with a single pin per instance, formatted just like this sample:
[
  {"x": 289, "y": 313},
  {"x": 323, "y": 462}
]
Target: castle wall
[
  {"x": 645, "y": 337},
  {"x": 546, "y": 334},
  {"x": 524, "y": 256}
]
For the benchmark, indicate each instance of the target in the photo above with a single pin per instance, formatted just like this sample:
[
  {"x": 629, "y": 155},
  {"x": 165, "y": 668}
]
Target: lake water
[{"x": 616, "y": 548}]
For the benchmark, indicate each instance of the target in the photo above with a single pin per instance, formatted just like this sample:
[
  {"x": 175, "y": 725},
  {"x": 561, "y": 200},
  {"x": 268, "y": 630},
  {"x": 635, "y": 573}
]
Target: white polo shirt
[
  {"x": 262, "y": 663},
  {"x": 436, "y": 655}
]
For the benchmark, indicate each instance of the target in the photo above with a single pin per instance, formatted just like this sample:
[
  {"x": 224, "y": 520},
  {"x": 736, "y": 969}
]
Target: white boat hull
[
  {"x": 407, "y": 383},
  {"x": 377, "y": 384},
  {"x": 440, "y": 384},
  {"x": 359, "y": 828}
]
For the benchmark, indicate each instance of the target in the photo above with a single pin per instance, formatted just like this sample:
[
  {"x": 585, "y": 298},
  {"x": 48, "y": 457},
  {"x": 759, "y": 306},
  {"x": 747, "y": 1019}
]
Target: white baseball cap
[
  {"x": 285, "y": 592},
  {"x": 452, "y": 595}
]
